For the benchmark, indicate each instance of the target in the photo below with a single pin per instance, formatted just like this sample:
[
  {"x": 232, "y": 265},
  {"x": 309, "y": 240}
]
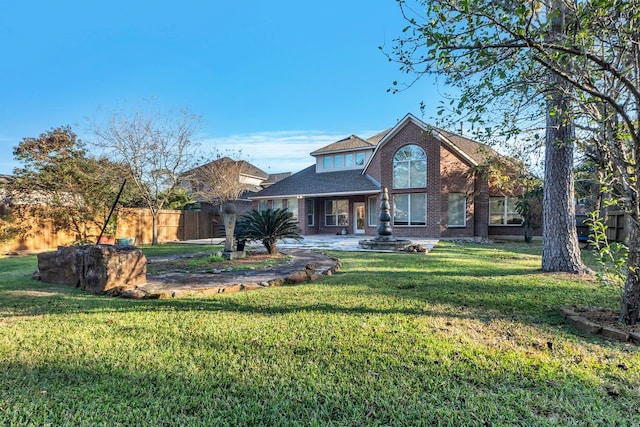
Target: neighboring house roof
[
  {"x": 275, "y": 177},
  {"x": 246, "y": 168},
  {"x": 307, "y": 183},
  {"x": 351, "y": 143}
]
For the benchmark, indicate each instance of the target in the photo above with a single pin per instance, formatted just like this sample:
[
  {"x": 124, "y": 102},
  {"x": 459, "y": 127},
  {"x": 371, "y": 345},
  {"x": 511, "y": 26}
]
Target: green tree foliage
[
  {"x": 529, "y": 206},
  {"x": 577, "y": 58},
  {"x": 59, "y": 181},
  {"x": 268, "y": 226}
]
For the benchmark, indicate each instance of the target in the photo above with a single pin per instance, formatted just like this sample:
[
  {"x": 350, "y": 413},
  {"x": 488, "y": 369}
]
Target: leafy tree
[
  {"x": 269, "y": 226},
  {"x": 529, "y": 206},
  {"x": 60, "y": 182},
  {"x": 579, "y": 59},
  {"x": 156, "y": 148}
]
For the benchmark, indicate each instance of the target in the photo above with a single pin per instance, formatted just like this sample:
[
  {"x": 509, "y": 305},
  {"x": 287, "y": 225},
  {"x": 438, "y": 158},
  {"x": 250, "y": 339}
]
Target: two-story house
[{"x": 427, "y": 171}]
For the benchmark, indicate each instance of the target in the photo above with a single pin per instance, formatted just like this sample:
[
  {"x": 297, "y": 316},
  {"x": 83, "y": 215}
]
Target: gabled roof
[
  {"x": 275, "y": 177},
  {"x": 246, "y": 168},
  {"x": 308, "y": 183},
  {"x": 480, "y": 153},
  {"x": 377, "y": 137},
  {"x": 474, "y": 153},
  {"x": 350, "y": 143}
]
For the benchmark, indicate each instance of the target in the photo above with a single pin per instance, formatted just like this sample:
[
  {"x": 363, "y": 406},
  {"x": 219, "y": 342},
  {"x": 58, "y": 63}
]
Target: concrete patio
[{"x": 322, "y": 242}]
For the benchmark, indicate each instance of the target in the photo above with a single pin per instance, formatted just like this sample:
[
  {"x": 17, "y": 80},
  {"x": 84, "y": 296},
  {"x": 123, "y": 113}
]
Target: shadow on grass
[{"x": 476, "y": 281}]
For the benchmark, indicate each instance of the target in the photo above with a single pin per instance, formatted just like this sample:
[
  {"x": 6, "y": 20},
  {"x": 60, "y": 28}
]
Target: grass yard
[{"x": 466, "y": 335}]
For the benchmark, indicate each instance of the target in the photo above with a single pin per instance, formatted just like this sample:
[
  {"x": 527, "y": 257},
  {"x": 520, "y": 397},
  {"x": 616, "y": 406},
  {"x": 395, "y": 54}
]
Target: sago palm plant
[{"x": 269, "y": 226}]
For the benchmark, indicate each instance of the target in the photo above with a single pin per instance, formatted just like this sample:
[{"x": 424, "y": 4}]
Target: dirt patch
[
  {"x": 206, "y": 263},
  {"x": 169, "y": 277}
]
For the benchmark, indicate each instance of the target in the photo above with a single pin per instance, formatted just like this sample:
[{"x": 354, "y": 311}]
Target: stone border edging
[
  {"x": 585, "y": 325},
  {"x": 308, "y": 274}
]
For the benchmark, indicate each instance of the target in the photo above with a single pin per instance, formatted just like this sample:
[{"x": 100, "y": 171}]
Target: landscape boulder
[{"x": 95, "y": 268}]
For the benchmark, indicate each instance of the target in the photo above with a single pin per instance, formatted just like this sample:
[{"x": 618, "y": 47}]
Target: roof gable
[
  {"x": 350, "y": 143},
  {"x": 470, "y": 151}
]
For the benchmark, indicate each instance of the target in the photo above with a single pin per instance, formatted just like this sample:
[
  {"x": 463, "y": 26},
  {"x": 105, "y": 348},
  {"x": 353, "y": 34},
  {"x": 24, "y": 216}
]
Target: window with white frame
[
  {"x": 343, "y": 161},
  {"x": 457, "y": 210},
  {"x": 502, "y": 211},
  {"x": 311, "y": 207},
  {"x": 336, "y": 212},
  {"x": 278, "y": 204},
  {"x": 410, "y": 209},
  {"x": 292, "y": 206},
  {"x": 410, "y": 167},
  {"x": 348, "y": 160},
  {"x": 262, "y": 205},
  {"x": 373, "y": 210}
]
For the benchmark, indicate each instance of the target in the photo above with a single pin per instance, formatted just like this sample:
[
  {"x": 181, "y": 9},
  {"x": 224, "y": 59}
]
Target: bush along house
[{"x": 429, "y": 174}]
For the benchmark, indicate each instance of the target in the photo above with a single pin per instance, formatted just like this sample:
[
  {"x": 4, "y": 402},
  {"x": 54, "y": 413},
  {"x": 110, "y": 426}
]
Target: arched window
[{"x": 410, "y": 167}]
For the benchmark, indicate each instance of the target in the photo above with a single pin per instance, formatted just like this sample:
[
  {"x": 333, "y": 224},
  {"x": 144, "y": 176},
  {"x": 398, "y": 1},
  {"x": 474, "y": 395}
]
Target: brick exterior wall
[
  {"x": 447, "y": 173},
  {"x": 413, "y": 134},
  {"x": 455, "y": 176}
]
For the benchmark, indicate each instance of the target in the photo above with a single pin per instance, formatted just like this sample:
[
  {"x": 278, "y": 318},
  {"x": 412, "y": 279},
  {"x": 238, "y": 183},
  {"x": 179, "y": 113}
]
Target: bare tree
[
  {"x": 221, "y": 183},
  {"x": 157, "y": 149}
]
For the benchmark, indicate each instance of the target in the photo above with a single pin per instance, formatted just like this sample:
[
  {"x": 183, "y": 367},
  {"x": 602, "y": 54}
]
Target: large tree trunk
[
  {"x": 630, "y": 307},
  {"x": 560, "y": 247}
]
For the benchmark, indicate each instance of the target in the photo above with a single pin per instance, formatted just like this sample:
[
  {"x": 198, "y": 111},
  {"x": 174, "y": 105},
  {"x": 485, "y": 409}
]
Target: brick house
[{"x": 427, "y": 171}]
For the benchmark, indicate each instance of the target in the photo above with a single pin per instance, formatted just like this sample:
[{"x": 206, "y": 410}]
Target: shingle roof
[
  {"x": 377, "y": 137},
  {"x": 480, "y": 153},
  {"x": 246, "y": 168},
  {"x": 275, "y": 177},
  {"x": 309, "y": 183},
  {"x": 350, "y": 143}
]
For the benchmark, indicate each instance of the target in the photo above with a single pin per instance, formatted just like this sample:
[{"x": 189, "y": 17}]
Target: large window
[
  {"x": 409, "y": 209},
  {"x": 457, "y": 210},
  {"x": 279, "y": 204},
  {"x": 410, "y": 167},
  {"x": 311, "y": 207},
  {"x": 262, "y": 205},
  {"x": 292, "y": 206},
  {"x": 336, "y": 212},
  {"x": 502, "y": 211},
  {"x": 373, "y": 210}
]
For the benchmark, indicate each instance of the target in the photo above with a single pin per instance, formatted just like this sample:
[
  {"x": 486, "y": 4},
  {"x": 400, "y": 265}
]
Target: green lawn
[{"x": 466, "y": 335}]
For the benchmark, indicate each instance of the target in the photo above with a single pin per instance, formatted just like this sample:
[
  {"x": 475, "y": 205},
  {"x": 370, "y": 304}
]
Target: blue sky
[{"x": 275, "y": 79}]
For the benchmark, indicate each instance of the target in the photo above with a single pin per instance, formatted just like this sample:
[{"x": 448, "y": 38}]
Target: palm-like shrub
[{"x": 269, "y": 226}]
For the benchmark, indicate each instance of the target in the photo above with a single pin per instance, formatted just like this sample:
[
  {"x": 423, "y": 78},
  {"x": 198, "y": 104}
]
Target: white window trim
[
  {"x": 409, "y": 162},
  {"x": 369, "y": 211},
  {"x": 505, "y": 214},
  {"x": 336, "y": 214},
  {"x": 426, "y": 212},
  {"x": 312, "y": 213},
  {"x": 464, "y": 216}
]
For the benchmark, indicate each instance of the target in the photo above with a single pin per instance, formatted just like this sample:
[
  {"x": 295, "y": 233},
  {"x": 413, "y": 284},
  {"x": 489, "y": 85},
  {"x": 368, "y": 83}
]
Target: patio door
[{"x": 358, "y": 213}]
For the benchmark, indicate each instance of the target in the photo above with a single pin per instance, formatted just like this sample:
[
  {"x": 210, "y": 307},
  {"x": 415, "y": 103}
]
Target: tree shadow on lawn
[
  {"x": 95, "y": 390},
  {"x": 410, "y": 294}
]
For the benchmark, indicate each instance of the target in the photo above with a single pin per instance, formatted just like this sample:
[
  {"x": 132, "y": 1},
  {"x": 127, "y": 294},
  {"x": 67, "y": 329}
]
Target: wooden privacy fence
[{"x": 172, "y": 225}]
